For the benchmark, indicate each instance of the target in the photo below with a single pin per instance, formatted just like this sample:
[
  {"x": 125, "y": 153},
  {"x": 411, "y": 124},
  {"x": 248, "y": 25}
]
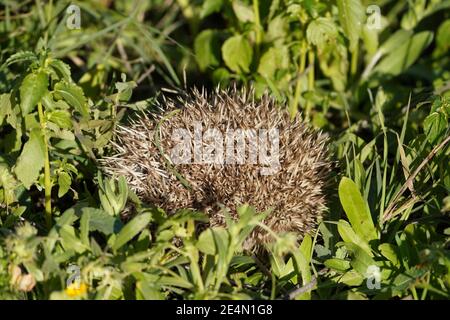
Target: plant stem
[
  {"x": 354, "y": 62},
  {"x": 311, "y": 78},
  {"x": 47, "y": 177},
  {"x": 298, "y": 87},
  {"x": 258, "y": 38}
]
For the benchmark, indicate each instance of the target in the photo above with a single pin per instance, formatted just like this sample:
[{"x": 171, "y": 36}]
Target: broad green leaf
[
  {"x": 5, "y": 107},
  {"x": 60, "y": 69},
  {"x": 144, "y": 291},
  {"x": 207, "y": 49},
  {"x": 131, "y": 229},
  {"x": 389, "y": 252},
  {"x": 361, "y": 261},
  {"x": 435, "y": 126},
  {"x": 237, "y": 54},
  {"x": 400, "y": 36},
  {"x": 337, "y": 264},
  {"x": 20, "y": 57},
  {"x": 350, "y": 278},
  {"x": 357, "y": 210},
  {"x": 405, "y": 54},
  {"x": 349, "y": 235},
  {"x": 351, "y": 16},
  {"x": 274, "y": 59},
  {"x": 206, "y": 243},
  {"x": 73, "y": 95},
  {"x": 32, "y": 89},
  {"x": 61, "y": 118},
  {"x": 243, "y": 12},
  {"x": 209, "y": 7},
  {"x": 64, "y": 182},
  {"x": 70, "y": 241},
  {"x": 321, "y": 31},
  {"x": 31, "y": 160},
  {"x": 100, "y": 221}
]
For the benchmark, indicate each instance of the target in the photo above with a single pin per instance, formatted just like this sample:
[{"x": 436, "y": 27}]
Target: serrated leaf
[
  {"x": 31, "y": 160},
  {"x": 61, "y": 118},
  {"x": 351, "y": 16},
  {"x": 357, "y": 210},
  {"x": 321, "y": 31},
  {"x": 73, "y": 95},
  {"x": 33, "y": 88},
  {"x": 131, "y": 229},
  {"x": 237, "y": 54},
  {"x": 20, "y": 57},
  {"x": 60, "y": 69}
]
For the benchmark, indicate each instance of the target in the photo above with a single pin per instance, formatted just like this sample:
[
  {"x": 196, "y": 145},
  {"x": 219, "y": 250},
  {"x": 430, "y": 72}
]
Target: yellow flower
[{"x": 75, "y": 289}]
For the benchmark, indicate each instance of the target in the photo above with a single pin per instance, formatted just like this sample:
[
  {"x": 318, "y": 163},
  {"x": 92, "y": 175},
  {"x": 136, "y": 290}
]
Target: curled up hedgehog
[{"x": 210, "y": 151}]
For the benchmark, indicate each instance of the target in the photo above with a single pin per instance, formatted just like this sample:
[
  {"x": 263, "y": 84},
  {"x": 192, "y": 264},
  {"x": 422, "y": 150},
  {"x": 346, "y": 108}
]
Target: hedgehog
[{"x": 210, "y": 151}]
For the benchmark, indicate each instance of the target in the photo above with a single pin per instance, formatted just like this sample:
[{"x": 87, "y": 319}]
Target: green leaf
[
  {"x": 84, "y": 227},
  {"x": 209, "y": 7},
  {"x": 31, "y": 160},
  {"x": 405, "y": 54},
  {"x": 237, "y": 54},
  {"x": 61, "y": 118},
  {"x": 60, "y": 69},
  {"x": 361, "y": 261},
  {"x": 5, "y": 107},
  {"x": 64, "y": 182},
  {"x": 274, "y": 59},
  {"x": 207, "y": 49},
  {"x": 73, "y": 95},
  {"x": 388, "y": 251},
  {"x": 33, "y": 88},
  {"x": 302, "y": 258},
  {"x": 321, "y": 31},
  {"x": 351, "y": 16},
  {"x": 349, "y": 235},
  {"x": 243, "y": 12},
  {"x": 351, "y": 278},
  {"x": 435, "y": 126},
  {"x": 357, "y": 210},
  {"x": 337, "y": 264},
  {"x": 20, "y": 57},
  {"x": 205, "y": 242},
  {"x": 100, "y": 221},
  {"x": 70, "y": 241},
  {"x": 131, "y": 229}
]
